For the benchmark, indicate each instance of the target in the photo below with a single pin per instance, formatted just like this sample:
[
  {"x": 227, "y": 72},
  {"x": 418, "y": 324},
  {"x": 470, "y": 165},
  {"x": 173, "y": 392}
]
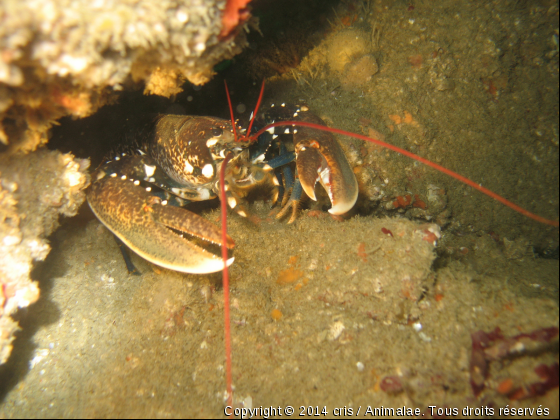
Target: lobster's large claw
[
  {"x": 319, "y": 157},
  {"x": 150, "y": 228}
]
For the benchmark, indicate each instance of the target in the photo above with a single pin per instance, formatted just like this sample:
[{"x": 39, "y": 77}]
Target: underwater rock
[
  {"x": 349, "y": 59},
  {"x": 360, "y": 71},
  {"x": 34, "y": 190},
  {"x": 345, "y": 47},
  {"x": 59, "y": 58}
]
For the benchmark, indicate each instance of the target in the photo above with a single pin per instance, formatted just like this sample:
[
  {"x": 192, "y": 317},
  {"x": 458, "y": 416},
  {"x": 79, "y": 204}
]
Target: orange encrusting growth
[
  {"x": 402, "y": 201},
  {"x": 419, "y": 203},
  {"x": 505, "y": 386},
  {"x": 362, "y": 251},
  {"x": 276, "y": 314},
  {"x": 289, "y": 275}
]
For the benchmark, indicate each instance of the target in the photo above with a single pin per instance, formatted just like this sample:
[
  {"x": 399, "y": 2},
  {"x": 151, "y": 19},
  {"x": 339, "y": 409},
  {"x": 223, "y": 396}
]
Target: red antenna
[
  {"x": 256, "y": 110},
  {"x": 231, "y": 112},
  {"x": 225, "y": 277},
  {"x": 419, "y": 159}
]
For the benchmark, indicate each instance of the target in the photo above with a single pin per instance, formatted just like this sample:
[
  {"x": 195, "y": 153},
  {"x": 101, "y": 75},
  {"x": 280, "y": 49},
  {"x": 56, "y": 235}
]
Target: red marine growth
[{"x": 236, "y": 13}]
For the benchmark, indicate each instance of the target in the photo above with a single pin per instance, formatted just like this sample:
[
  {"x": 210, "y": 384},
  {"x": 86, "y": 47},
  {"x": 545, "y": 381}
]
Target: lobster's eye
[{"x": 217, "y": 131}]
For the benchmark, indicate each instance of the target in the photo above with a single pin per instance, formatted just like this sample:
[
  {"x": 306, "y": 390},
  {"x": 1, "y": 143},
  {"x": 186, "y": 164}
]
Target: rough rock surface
[
  {"x": 34, "y": 190},
  {"x": 67, "y": 57}
]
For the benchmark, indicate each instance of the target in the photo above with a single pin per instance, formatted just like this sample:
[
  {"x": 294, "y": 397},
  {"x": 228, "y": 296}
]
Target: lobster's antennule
[
  {"x": 231, "y": 112},
  {"x": 419, "y": 159},
  {"x": 256, "y": 109}
]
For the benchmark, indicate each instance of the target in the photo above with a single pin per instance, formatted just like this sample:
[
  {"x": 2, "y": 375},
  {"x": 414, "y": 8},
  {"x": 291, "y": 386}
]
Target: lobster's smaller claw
[
  {"x": 319, "y": 157},
  {"x": 153, "y": 230}
]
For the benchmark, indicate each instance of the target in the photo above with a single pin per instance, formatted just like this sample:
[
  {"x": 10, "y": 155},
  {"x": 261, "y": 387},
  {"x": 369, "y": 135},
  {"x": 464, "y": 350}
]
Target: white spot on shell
[
  {"x": 232, "y": 202},
  {"x": 208, "y": 170},
  {"x": 149, "y": 170},
  {"x": 211, "y": 142},
  {"x": 188, "y": 167}
]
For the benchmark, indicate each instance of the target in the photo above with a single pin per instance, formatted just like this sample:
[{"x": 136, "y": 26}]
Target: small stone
[
  {"x": 391, "y": 384},
  {"x": 335, "y": 330}
]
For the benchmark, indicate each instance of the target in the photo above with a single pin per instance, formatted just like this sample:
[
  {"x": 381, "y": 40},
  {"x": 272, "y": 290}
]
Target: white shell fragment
[{"x": 335, "y": 330}]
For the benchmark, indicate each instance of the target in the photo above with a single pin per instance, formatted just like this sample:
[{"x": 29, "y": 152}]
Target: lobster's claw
[
  {"x": 150, "y": 228},
  {"x": 319, "y": 157}
]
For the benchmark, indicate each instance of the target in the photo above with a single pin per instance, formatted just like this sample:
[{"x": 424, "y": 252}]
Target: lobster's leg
[
  {"x": 293, "y": 202},
  {"x": 281, "y": 190},
  {"x": 126, "y": 257},
  {"x": 282, "y": 161}
]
